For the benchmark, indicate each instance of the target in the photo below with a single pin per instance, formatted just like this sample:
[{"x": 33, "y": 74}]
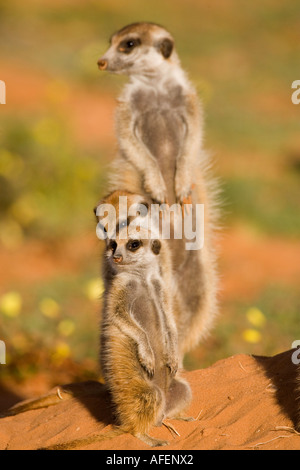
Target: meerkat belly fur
[
  {"x": 159, "y": 128},
  {"x": 139, "y": 353}
]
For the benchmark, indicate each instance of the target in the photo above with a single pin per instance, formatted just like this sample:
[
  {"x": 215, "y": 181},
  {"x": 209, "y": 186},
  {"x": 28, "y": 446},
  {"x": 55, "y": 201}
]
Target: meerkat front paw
[
  {"x": 147, "y": 361},
  {"x": 156, "y": 187},
  {"x": 171, "y": 362},
  {"x": 183, "y": 183},
  {"x": 184, "y": 196}
]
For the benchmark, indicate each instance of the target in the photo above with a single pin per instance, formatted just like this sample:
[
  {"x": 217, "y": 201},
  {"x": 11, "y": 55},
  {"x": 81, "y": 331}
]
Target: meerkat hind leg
[
  {"x": 151, "y": 441},
  {"x": 182, "y": 418},
  {"x": 178, "y": 398}
]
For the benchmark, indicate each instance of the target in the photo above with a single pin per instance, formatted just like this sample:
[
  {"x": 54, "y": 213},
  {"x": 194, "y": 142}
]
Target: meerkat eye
[
  {"x": 122, "y": 224},
  {"x": 134, "y": 245},
  {"x": 128, "y": 45},
  {"x": 142, "y": 209}
]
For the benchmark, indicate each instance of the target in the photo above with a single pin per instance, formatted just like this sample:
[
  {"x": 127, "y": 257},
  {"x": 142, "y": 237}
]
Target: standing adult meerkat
[
  {"x": 139, "y": 354},
  {"x": 159, "y": 128},
  {"x": 158, "y": 120}
]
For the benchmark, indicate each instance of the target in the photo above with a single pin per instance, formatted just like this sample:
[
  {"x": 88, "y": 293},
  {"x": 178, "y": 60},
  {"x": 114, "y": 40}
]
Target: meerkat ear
[
  {"x": 166, "y": 47},
  {"x": 155, "y": 246},
  {"x": 95, "y": 212}
]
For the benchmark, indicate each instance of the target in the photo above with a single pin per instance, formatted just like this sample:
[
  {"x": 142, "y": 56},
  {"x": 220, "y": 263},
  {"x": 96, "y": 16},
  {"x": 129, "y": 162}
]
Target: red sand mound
[{"x": 241, "y": 402}]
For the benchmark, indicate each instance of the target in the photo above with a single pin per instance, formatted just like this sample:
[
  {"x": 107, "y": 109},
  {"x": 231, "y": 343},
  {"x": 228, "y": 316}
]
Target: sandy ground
[{"x": 241, "y": 402}]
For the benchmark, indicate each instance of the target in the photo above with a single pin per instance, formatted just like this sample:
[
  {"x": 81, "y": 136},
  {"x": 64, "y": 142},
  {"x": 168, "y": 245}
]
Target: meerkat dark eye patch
[
  {"x": 156, "y": 246},
  {"x": 142, "y": 209},
  {"x": 165, "y": 46},
  {"x": 133, "y": 245},
  {"x": 101, "y": 227},
  {"x": 112, "y": 245},
  {"x": 128, "y": 45},
  {"x": 122, "y": 224}
]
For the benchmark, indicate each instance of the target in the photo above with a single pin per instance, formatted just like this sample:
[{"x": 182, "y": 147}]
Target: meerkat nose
[
  {"x": 102, "y": 64},
  {"x": 118, "y": 258}
]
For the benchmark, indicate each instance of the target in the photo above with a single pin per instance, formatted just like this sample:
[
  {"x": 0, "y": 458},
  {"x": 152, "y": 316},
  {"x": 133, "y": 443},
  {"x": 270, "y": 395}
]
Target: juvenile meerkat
[
  {"x": 159, "y": 128},
  {"x": 139, "y": 350},
  {"x": 138, "y": 344},
  {"x": 139, "y": 356}
]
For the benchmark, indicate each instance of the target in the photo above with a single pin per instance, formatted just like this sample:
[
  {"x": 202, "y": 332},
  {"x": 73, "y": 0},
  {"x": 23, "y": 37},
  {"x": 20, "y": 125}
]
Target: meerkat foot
[
  {"x": 183, "y": 418},
  {"x": 151, "y": 441}
]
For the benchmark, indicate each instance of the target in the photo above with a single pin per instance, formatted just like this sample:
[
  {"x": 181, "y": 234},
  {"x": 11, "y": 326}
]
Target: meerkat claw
[{"x": 171, "y": 429}]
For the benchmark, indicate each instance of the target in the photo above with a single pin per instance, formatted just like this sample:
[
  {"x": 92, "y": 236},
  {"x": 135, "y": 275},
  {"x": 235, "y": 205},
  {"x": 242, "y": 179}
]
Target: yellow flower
[
  {"x": 49, "y": 307},
  {"x": 66, "y": 327},
  {"x": 252, "y": 336},
  {"x": 11, "y": 303},
  {"x": 62, "y": 351},
  {"x": 94, "y": 288},
  {"x": 256, "y": 317}
]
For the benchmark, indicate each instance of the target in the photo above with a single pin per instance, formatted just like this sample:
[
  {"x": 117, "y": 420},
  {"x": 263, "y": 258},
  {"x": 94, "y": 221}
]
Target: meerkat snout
[
  {"x": 102, "y": 64},
  {"x": 116, "y": 253}
]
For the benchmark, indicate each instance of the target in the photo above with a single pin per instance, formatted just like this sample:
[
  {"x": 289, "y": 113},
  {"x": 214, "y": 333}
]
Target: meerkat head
[
  {"x": 121, "y": 209},
  {"x": 139, "y": 49},
  {"x": 122, "y": 222},
  {"x": 138, "y": 252}
]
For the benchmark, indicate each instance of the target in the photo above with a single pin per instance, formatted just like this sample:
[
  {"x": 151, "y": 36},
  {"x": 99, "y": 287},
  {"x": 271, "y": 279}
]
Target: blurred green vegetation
[
  {"x": 242, "y": 57},
  {"x": 262, "y": 203},
  {"x": 51, "y": 323},
  {"x": 237, "y": 333},
  {"x": 49, "y": 187}
]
